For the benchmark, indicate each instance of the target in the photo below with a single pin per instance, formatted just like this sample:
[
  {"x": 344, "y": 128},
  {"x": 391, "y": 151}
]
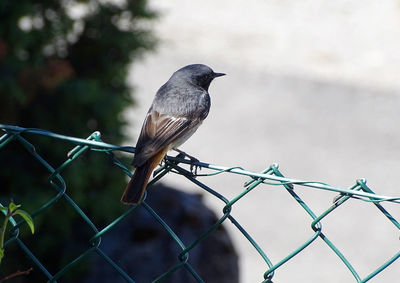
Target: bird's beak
[{"x": 218, "y": 74}]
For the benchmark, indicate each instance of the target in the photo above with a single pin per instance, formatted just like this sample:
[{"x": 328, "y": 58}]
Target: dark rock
[{"x": 145, "y": 250}]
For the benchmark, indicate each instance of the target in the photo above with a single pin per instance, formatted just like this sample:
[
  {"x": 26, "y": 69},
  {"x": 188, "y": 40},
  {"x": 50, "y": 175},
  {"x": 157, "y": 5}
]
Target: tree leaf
[
  {"x": 27, "y": 218},
  {"x": 13, "y": 207}
]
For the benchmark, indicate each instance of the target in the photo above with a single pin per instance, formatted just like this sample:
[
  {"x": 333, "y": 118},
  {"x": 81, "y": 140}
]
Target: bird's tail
[{"x": 137, "y": 185}]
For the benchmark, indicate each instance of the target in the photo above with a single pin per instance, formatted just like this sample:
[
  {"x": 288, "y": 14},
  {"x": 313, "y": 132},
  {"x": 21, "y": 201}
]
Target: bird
[{"x": 178, "y": 109}]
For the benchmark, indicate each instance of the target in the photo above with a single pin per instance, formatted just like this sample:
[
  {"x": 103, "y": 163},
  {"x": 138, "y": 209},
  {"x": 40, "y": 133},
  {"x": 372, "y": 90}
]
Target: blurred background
[{"x": 311, "y": 85}]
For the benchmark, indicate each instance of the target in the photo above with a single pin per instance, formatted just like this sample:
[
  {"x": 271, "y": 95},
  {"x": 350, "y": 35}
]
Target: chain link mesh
[{"x": 270, "y": 176}]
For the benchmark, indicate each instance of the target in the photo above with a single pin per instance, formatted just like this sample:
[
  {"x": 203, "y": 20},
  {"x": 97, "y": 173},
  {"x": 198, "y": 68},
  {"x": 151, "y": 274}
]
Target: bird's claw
[{"x": 193, "y": 168}]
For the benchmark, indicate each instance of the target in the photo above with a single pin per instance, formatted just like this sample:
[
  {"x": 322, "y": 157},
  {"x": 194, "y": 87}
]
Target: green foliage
[
  {"x": 11, "y": 211},
  {"x": 63, "y": 67}
]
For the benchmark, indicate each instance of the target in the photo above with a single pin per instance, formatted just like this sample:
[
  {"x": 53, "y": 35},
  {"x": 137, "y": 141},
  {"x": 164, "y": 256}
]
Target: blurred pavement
[{"x": 311, "y": 85}]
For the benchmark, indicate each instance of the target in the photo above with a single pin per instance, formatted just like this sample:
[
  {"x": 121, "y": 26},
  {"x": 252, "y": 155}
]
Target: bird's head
[{"x": 198, "y": 74}]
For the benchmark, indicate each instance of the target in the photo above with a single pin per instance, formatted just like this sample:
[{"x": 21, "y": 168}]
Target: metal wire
[{"x": 270, "y": 176}]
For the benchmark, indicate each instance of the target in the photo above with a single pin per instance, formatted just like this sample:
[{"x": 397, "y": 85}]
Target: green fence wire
[{"x": 270, "y": 176}]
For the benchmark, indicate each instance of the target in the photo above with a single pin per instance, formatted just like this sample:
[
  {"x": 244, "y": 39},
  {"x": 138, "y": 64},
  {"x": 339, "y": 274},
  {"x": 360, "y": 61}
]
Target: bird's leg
[
  {"x": 182, "y": 153},
  {"x": 193, "y": 167}
]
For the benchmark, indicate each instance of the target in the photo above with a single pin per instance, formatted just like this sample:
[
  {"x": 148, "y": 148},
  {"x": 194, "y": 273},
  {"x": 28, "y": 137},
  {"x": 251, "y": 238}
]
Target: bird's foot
[{"x": 193, "y": 168}]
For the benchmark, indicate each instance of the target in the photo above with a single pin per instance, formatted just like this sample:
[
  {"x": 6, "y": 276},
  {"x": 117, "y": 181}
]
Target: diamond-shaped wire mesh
[{"x": 270, "y": 176}]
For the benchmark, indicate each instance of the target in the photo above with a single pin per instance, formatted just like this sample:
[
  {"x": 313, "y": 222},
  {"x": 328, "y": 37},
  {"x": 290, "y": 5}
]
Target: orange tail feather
[{"x": 137, "y": 185}]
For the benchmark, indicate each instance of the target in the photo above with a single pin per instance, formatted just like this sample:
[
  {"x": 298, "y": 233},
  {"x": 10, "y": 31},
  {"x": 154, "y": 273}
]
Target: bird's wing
[{"x": 158, "y": 131}]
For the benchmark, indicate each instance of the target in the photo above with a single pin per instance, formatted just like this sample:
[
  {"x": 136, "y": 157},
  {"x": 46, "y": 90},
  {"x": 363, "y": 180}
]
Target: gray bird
[{"x": 178, "y": 109}]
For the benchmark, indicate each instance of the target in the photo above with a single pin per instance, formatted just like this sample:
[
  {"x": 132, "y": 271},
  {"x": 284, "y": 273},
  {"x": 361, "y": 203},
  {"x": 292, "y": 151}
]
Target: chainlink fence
[{"x": 270, "y": 176}]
